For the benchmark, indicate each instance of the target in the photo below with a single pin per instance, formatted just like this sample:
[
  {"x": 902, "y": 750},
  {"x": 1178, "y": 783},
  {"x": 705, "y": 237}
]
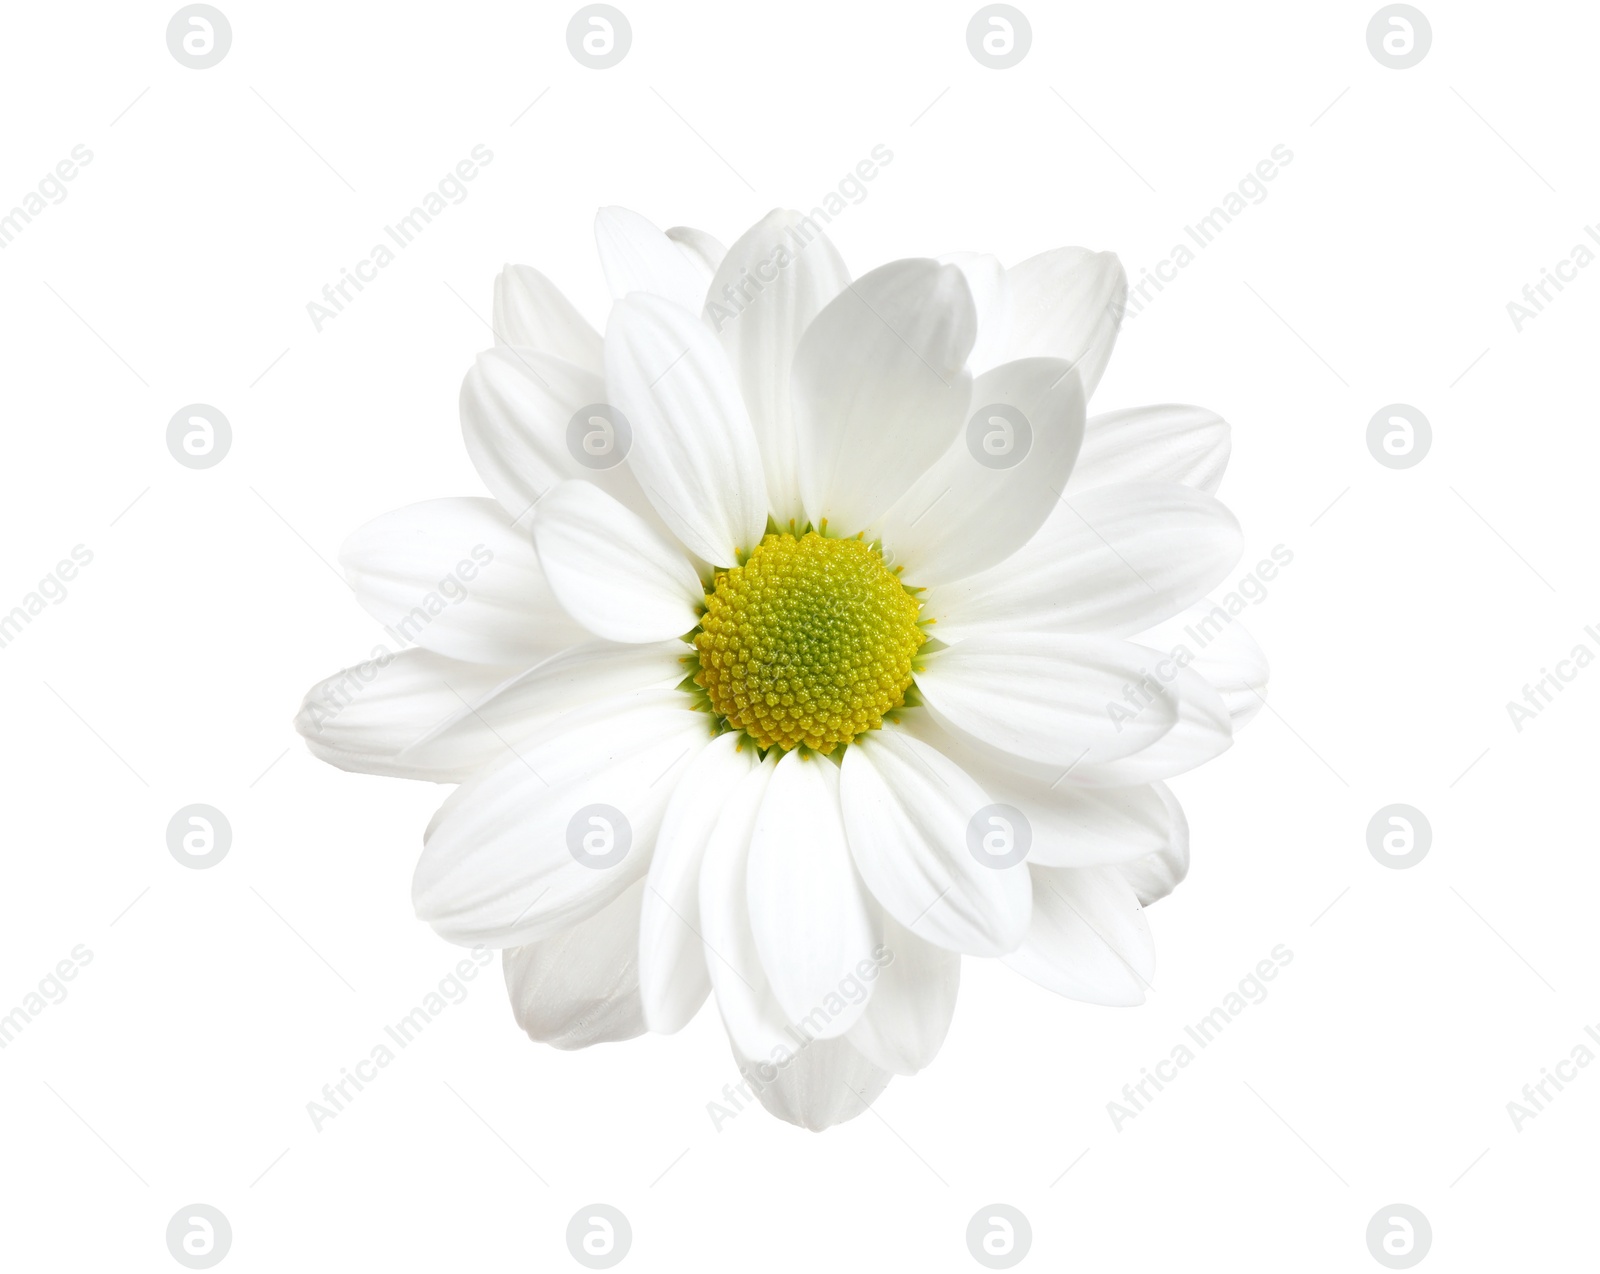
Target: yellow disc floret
[{"x": 810, "y": 641}]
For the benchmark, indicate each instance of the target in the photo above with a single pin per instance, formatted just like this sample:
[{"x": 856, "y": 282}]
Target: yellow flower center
[{"x": 810, "y": 641}]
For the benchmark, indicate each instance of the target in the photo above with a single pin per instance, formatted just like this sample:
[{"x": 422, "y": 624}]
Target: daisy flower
[{"x": 813, "y": 639}]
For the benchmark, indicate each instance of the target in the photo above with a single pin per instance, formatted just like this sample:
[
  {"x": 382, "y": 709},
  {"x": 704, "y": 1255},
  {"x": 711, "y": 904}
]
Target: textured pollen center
[{"x": 810, "y": 641}]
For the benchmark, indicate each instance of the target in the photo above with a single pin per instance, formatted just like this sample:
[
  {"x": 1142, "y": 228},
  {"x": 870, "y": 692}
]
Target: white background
[{"x": 1378, "y": 269}]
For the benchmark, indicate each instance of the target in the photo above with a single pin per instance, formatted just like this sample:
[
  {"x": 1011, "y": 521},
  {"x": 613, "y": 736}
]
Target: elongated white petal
[
  {"x": 1108, "y": 560},
  {"x": 672, "y": 959},
  {"x": 581, "y": 986},
  {"x": 368, "y": 717},
  {"x": 526, "y": 848},
  {"x": 455, "y": 576},
  {"x": 1067, "y": 303},
  {"x": 705, "y": 251},
  {"x": 821, "y": 1084},
  {"x": 909, "y": 1013},
  {"x": 637, "y": 257},
  {"x": 1089, "y": 940},
  {"x": 880, "y": 388},
  {"x": 694, "y": 452},
  {"x": 907, "y": 813},
  {"x": 1223, "y": 652},
  {"x": 775, "y": 279},
  {"x": 1165, "y": 443},
  {"x": 998, "y": 481},
  {"x": 991, "y": 298},
  {"x": 530, "y": 312},
  {"x": 615, "y": 574},
  {"x": 1156, "y": 875},
  {"x": 807, "y": 908}
]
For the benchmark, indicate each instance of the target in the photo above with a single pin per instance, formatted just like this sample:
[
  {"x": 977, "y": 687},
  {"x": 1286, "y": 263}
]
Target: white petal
[
  {"x": 704, "y": 251},
  {"x": 1156, "y": 875},
  {"x": 617, "y": 576},
  {"x": 1067, "y": 303},
  {"x": 998, "y": 481},
  {"x": 530, "y": 312},
  {"x": 694, "y": 452},
  {"x": 1109, "y": 560},
  {"x": 880, "y": 388},
  {"x": 912, "y": 1004},
  {"x": 480, "y": 728},
  {"x": 1089, "y": 940},
  {"x": 991, "y": 297},
  {"x": 517, "y": 414},
  {"x": 907, "y": 810},
  {"x": 1167, "y": 443},
  {"x": 498, "y": 863},
  {"x": 1223, "y": 652},
  {"x": 775, "y": 279},
  {"x": 367, "y": 718},
  {"x": 807, "y": 908},
  {"x": 822, "y": 1084},
  {"x": 672, "y": 958},
  {"x": 637, "y": 257},
  {"x": 456, "y": 577},
  {"x": 581, "y": 986}
]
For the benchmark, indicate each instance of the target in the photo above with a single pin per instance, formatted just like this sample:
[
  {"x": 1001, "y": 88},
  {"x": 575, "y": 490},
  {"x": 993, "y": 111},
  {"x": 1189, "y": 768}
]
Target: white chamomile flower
[{"x": 813, "y": 639}]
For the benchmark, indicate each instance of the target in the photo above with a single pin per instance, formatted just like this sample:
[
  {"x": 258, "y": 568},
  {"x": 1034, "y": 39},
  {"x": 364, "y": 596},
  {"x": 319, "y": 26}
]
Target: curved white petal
[
  {"x": 815, "y": 1086},
  {"x": 880, "y": 388},
  {"x": 1089, "y": 940},
  {"x": 581, "y": 986},
  {"x": 1165, "y": 443},
  {"x": 998, "y": 481},
  {"x": 1108, "y": 560},
  {"x": 532, "y": 313},
  {"x": 612, "y": 571},
  {"x": 705, "y": 251},
  {"x": 455, "y": 576},
  {"x": 637, "y": 257},
  {"x": 1223, "y": 652},
  {"x": 694, "y": 452},
  {"x": 907, "y": 811},
  {"x": 909, "y": 1013},
  {"x": 1066, "y": 303},
  {"x": 808, "y": 910},
  {"x": 991, "y": 298},
  {"x": 775, "y": 279},
  {"x": 508, "y": 859},
  {"x": 367, "y": 718},
  {"x": 673, "y": 978},
  {"x": 1156, "y": 875}
]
